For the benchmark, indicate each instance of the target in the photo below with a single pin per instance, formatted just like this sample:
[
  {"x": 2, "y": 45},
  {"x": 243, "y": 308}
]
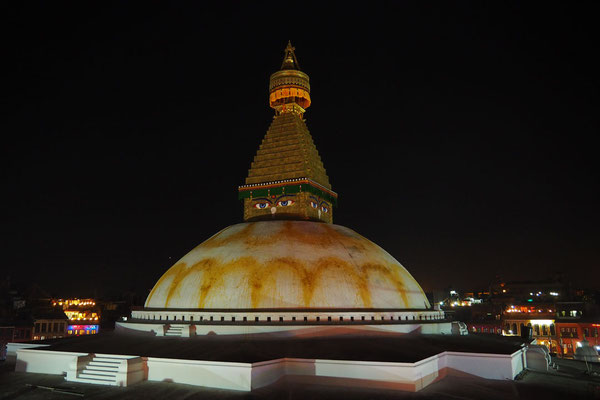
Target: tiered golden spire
[
  {"x": 287, "y": 179},
  {"x": 289, "y": 88}
]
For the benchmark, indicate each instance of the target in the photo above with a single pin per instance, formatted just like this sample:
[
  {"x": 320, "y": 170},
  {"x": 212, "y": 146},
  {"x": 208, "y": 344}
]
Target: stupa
[
  {"x": 287, "y": 267},
  {"x": 316, "y": 292}
]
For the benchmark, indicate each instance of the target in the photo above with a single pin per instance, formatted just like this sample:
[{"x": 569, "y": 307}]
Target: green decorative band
[{"x": 291, "y": 188}]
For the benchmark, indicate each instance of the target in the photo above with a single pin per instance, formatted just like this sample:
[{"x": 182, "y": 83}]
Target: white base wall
[
  {"x": 214, "y": 374},
  {"x": 284, "y": 315},
  {"x": 292, "y": 330},
  {"x": 400, "y": 376},
  {"x": 11, "y": 348},
  {"x": 45, "y": 361},
  {"x": 246, "y": 376}
]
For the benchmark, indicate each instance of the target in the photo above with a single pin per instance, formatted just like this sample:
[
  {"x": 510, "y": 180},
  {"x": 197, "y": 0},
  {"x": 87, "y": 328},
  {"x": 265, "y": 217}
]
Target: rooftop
[
  {"x": 570, "y": 384},
  {"x": 406, "y": 348}
]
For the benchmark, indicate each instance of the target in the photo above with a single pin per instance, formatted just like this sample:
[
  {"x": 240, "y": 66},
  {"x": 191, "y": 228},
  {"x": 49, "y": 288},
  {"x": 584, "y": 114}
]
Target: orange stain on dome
[
  {"x": 202, "y": 265},
  {"x": 210, "y": 278},
  {"x": 307, "y": 278},
  {"x": 175, "y": 270},
  {"x": 349, "y": 240},
  {"x": 391, "y": 274},
  {"x": 309, "y": 233},
  {"x": 347, "y": 271},
  {"x": 261, "y": 275}
]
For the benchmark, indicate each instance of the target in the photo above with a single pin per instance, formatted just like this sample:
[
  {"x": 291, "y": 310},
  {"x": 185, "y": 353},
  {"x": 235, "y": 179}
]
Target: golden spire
[
  {"x": 289, "y": 88},
  {"x": 287, "y": 179}
]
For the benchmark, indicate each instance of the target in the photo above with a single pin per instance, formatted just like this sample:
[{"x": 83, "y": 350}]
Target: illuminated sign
[
  {"x": 82, "y": 327},
  {"x": 542, "y": 321}
]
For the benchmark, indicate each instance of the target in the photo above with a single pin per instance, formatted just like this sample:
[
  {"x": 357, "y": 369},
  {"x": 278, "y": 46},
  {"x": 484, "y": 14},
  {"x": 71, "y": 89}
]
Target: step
[
  {"x": 95, "y": 381},
  {"x": 98, "y": 371},
  {"x": 100, "y": 377},
  {"x": 105, "y": 362},
  {"x": 293, "y": 147},
  {"x": 109, "y": 358},
  {"x": 102, "y": 367},
  {"x": 275, "y": 162}
]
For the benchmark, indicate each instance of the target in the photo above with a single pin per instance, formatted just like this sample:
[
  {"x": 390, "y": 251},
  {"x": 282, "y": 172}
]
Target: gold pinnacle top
[
  {"x": 289, "y": 60},
  {"x": 287, "y": 179},
  {"x": 289, "y": 88}
]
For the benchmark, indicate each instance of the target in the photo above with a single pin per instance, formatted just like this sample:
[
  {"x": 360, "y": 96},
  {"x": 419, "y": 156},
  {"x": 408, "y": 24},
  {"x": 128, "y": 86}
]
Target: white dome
[{"x": 287, "y": 264}]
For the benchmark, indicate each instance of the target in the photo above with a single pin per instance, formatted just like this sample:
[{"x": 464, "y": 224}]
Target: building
[
  {"x": 83, "y": 314},
  {"x": 287, "y": 267},
  {"x": 284, "y": 293},
  {"x": 560, "y": 326},
  {"x": 49, "y": 324},
  {"x": 572, "y": 333},
  {"x": 16, "y": 331},
  {"x": 576, "y": 321}
]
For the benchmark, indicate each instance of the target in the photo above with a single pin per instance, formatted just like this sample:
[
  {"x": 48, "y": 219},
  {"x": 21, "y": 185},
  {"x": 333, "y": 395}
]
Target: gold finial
[
  {"x": 289, "y": 89},
  {"x": 289, "y": 60}
]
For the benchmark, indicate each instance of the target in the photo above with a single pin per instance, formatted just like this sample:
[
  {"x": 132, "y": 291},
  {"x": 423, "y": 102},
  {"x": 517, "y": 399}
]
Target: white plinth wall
[
  {"x": 249, "y": 376},
  {"x": 188, "y": 323}
]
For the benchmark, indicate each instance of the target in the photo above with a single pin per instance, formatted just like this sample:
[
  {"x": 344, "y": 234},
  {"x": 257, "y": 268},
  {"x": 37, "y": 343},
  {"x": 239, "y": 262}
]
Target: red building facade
[{"x": 571, "y": 333}]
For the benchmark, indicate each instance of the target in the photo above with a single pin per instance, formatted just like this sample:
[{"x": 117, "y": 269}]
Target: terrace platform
[{"x": 391, "y": 362}]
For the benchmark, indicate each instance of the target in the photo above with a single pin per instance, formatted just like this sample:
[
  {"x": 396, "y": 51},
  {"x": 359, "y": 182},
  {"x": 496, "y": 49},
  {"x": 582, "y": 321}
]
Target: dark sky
[{"x": 460, "y": 137}]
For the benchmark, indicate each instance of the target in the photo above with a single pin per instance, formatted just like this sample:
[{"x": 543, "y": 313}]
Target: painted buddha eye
[
  {"x": 325, "y": 209},
  {"x": 261, "y": 205},
  {"x": 285, "y": 203},
  {"x": 313, "y": 204}
]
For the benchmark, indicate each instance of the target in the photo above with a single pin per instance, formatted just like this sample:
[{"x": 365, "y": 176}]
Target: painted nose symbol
[{"x": 273, "y": 210}]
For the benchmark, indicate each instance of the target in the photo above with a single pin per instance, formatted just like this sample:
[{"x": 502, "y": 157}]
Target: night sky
[{"x": 460, "y": 137}]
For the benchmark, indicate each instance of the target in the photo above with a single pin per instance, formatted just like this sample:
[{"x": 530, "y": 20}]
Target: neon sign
[{"x": 82, "y": 327}]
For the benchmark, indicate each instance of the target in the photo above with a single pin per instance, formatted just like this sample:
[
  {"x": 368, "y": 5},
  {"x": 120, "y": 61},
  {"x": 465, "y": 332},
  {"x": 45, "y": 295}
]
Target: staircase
[
  {"x": 177, "y": 330},
  {"x": 101, "y": 370},
  {"x": 107, "y": 370}
]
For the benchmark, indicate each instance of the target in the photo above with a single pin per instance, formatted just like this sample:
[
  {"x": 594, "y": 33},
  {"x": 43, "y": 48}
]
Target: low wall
[
  {"x": 399, "y": 376},
  {"x": 214, "y": 374},
  {"x": 11, "y": 348},
  {"x": 489, "y": 366},
  {"x": 246, "y": 376},
  {"x": 45, "y": 361}
]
